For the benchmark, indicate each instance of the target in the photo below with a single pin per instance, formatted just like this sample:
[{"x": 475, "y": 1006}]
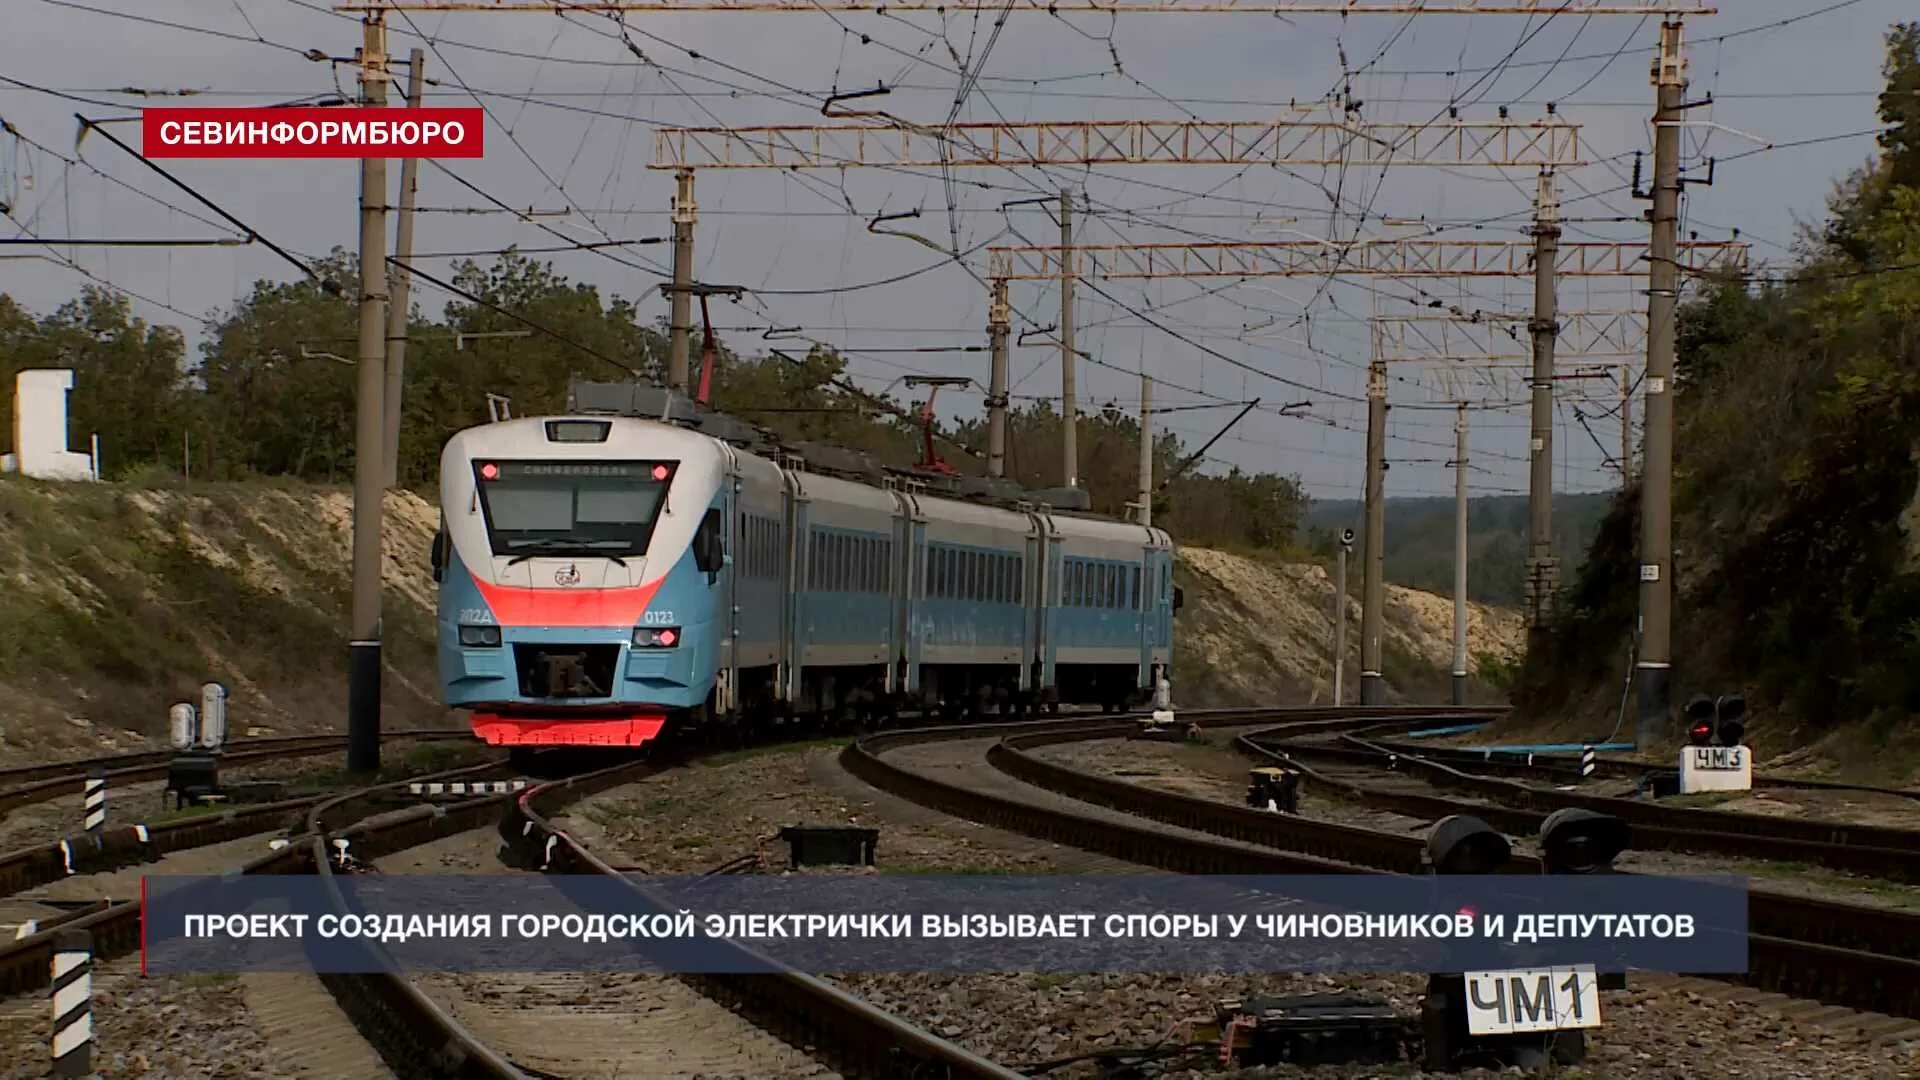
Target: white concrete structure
[
  {"x": 1715, "y": 768},
  {"x": 40, "y": 429}
]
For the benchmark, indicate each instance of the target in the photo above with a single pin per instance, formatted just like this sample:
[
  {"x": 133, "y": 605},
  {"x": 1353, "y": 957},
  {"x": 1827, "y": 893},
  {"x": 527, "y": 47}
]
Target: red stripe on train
[
  {"x": 634, "y": 730},
  {"x": 515, "y": 606}
]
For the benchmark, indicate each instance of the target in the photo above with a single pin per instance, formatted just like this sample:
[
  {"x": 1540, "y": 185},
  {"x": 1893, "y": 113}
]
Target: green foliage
[
  {"x": 1420, "y": 540},
  {"x": 1796, "y": 528},
  {"x": 273, "y": 394}
]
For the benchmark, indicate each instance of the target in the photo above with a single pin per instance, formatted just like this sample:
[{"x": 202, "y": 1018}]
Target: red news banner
[{"x": 313, "y": 133}]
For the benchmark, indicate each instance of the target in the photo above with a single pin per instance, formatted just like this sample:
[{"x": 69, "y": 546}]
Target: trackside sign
[{"x": 313, "y": 133}]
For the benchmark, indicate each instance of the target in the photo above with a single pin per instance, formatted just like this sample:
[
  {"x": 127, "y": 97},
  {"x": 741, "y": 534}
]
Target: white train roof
[{"x": 627, "y": 437}]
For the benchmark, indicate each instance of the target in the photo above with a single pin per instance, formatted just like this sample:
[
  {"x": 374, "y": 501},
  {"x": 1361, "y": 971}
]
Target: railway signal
[
  {"x": 1700, "y": 720},
  {"x": 1732, "y": 712},
  {"x": 1705, "y": 766},
  {"x": 1576, "y": 841}
]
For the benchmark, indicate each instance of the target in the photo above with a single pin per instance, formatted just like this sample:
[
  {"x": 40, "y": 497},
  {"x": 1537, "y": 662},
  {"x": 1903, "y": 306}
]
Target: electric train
[{"x": 602, "y": 577}]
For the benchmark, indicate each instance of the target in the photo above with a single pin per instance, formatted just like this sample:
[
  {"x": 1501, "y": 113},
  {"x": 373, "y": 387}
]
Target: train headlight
[
  {"x": 656, "y": 637},
  {"x": 480, "y": 637}
]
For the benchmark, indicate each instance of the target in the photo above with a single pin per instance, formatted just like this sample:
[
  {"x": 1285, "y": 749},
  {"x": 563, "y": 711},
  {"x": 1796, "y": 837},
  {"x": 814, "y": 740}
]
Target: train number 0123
[{"x": 657, "y": 618}]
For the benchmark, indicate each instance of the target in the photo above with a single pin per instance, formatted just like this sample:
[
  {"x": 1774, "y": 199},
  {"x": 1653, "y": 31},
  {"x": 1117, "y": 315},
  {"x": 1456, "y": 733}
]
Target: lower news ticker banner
[
  {"x": 895, "y": 923},
  {"x": 307, "y": 132}
]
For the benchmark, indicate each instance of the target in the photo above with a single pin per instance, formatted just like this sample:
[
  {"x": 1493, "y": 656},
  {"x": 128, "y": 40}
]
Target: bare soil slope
[{"x": 119, "y": 600}]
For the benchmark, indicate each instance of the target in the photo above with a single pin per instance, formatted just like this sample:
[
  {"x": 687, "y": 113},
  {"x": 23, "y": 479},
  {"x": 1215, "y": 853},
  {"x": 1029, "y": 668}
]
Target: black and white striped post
[
  {"x": 96, "y": 803},
  {"x": 72, "y": 1004},
  {"x": 1586, "y": 762}
]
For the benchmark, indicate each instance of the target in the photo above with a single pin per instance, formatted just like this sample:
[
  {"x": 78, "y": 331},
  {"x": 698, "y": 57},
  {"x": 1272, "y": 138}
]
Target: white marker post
[
  {"x": 73, "y": 1004},
  {"x": 95, "y": 795}
]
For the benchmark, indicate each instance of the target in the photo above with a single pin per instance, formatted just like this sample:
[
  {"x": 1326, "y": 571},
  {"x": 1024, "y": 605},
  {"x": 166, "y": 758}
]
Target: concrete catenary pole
[
  {"x": 1626, "y": 426},
  {"x": 1460, "y": 556},
  {"x": 1653, "y": 669},
  {"x": 1146, "y": 450},
  {"x": 1373, "y": 589},
  {"x": 1542, "y": 569},
  {"x": 1069, "y": 412},
  {"x": 363, "y": 666},
  {"x": 398, "y": 306},
  {"x": 998, "y": 319},
  {"x": 680, "y": 302},
  {"x": 1340, "y": 620}
]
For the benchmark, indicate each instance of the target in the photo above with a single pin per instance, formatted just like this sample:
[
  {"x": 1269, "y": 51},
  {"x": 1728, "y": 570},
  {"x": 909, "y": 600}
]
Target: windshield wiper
[{"x": 561, "y": 545}]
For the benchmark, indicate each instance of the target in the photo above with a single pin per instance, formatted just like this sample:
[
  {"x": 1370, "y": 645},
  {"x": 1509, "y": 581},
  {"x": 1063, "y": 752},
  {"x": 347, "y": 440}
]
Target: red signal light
[
  {"x": 660, "y": 472},
  {"x": 666, "y": 637},
  {"x": 489, "y": 471},
  {"x": 1701, "y": 733}
]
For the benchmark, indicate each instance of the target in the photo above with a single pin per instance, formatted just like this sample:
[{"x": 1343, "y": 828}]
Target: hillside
[
  {"x": 124, "y": 598},
  {"x": 1796, "y": 535},
  {"x": 1420, "y": 539}
]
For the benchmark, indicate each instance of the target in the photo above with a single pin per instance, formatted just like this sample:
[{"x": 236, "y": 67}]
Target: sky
[{"x": 574, "y": 102}]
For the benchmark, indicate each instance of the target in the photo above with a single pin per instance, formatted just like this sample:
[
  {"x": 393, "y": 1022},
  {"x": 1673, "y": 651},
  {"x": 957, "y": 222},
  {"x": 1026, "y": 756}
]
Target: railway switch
[
  {"x": 829, "y": 845},
  {"x": 1274, "y": 789}
]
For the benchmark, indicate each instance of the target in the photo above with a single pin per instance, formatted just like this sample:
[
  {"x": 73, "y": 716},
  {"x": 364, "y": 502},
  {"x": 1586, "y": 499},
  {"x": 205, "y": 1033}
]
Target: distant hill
[{"x": 1420, "y": 540}]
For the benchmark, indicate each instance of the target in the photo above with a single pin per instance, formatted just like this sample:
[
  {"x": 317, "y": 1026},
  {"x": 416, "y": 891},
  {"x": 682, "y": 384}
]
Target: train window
[
  {"x": 1133, "y": 579},
  {"x": 1106, "y": 585}
]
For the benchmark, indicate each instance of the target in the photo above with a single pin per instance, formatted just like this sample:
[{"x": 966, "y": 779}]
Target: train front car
[{"x": 579, "y": 561}]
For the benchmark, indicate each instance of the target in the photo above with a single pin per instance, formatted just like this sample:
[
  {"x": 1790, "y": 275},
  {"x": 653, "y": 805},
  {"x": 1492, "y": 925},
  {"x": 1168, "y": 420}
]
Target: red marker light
[
  {"x": 666, "y": 637},
  {"x": 489, "y": 471},
  {"x": 659, "y": 472}
]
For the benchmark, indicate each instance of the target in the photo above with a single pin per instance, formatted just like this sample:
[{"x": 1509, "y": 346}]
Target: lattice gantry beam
[
  {"x": 1162, "y": 7},
  {"x": 1310, "y": 258},
  {"x": 1425, "y": 337},
  {"x": 1461, "y": 143}
]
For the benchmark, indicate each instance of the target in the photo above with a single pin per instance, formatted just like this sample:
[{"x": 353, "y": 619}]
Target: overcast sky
[{"x": 573, "y": 111}]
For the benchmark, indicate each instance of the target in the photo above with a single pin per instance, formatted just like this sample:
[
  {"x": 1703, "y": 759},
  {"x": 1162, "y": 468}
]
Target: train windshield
[{"x": 579, "y": 508}]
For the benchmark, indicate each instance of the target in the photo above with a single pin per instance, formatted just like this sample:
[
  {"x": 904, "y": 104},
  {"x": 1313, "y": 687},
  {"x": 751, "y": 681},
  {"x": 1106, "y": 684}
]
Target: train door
[
  {"x": 915, "y": 595},
  {"x": 1033, "y": 604},
  {"x": 725, "y": 594},
  {"x": 793, "y": 519},
  {"x": 900, "y": 591},
  {"x": 1051, "y": 565}
]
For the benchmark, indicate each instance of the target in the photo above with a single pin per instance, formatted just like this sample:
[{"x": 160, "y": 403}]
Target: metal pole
[
  {"x": 1069, "y": 414},
  {"x": 1146, "y": 450},
  {"x": 998, "y": 314},
  {"x": 1339, "y": 621},
  {"x": 680, "y": 323},
  {"x": 397, "y": 308},
  {"x": 1652, "y": 670},
  {"x": 1542, "y": 571},
  {"x": 1626, "y": 427},
  {"x": 1373, "y": 590},
  {"x": 363, "y": 670},
  {"x": 1460, "y": 556}
]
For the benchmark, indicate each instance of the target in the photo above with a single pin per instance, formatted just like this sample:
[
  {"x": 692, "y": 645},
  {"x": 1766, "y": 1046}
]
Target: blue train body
[{"x": 601, "y": 577}]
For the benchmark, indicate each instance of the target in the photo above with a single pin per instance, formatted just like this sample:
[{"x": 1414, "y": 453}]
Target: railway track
[
  {"x": 413, "y": 1033},
  {"x": 25, "y": 785},
  {"x": 1565, "y": 768},
  {"x": 1858, "y": 957},
  {"x": 1874, "y": 851},
  {"x": 115, "y": 924}
]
